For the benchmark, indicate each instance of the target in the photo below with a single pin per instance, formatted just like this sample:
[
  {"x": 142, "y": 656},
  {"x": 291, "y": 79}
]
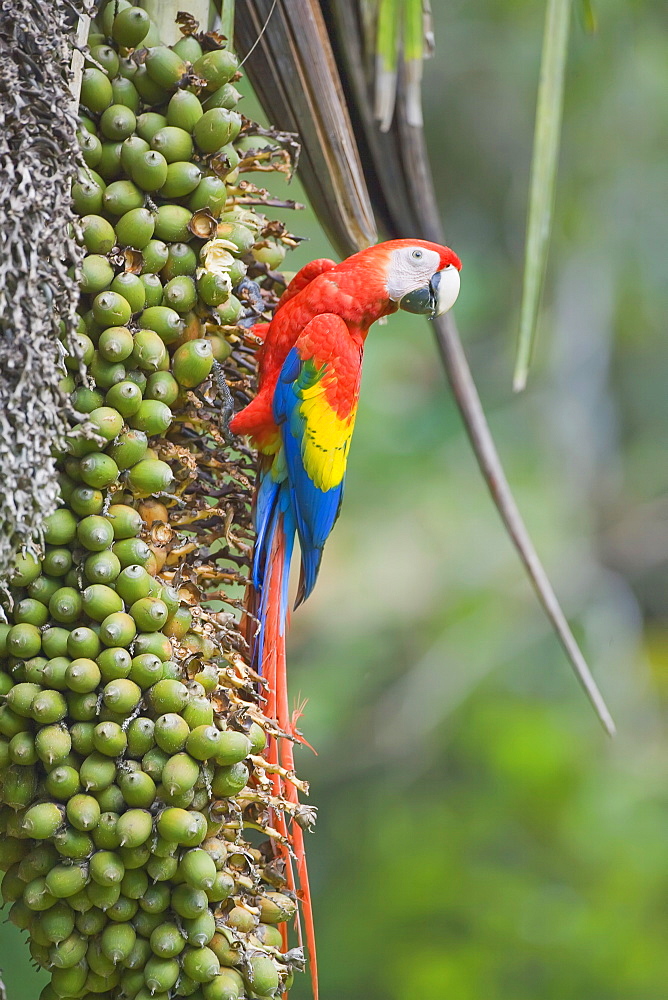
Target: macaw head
[{"x": 422, "y": 277}]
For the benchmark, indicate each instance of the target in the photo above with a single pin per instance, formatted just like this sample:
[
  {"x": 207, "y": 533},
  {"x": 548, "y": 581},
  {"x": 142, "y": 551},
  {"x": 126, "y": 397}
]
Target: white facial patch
[{"x": 410, "y": 268}]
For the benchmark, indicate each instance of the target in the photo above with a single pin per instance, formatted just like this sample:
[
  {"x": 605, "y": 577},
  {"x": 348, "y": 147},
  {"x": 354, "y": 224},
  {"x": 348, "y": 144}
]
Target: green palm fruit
[
  {"x": 166, "y": 322},
  {"x": 229, "y": 780},
  {"x": 97, "y": 274},
  {"x": 96, "y": 92},
  {"x": 83, "y": 674},
  {"x": 21, "y": 750},
  {"x": 150, "y": 92},
  {"x": 262, "y": 975},
  {"x": 126, "y": 522},
  {"x": 197, "y": 869},
  {"x": 201, "y": 930},
  {"x": 31, "y": 611},
  {"x": 216, "y": 128},
  {"x": 130, "y": 286},
  {"x": 130, "y": 27},
  {"x": 129, "y": 448},
  {"x": 105, "y": 836},
  {"x": 140, "y": 739},
  {"x": 54, "y": 639},
  {"x": 85, "y": 350},
  {"x": 182, "y": 178},
  {"x": 188, "y": 902},
  {"x": 229, "y": 312},
  {"x": 137, "y": 959},
  {"x": 120, "y": 197},
  {"x": 97, "y": 771},
  {"x": 83, "y": 812},
  {"x": 145, "y": 669},
  {"x": 226, "y": 96},
  {"x": 203, "y": 742},
  {"x": 12, "y": 851},
  {"x": 49, "y": 707},
  {"x": 103, "y": 896},
  {"x": 192, "y": 363},
  {"x": 233, "y": 748},
  {"x": 163, "y": 387},
  {"x": 121, "y": 695},
  {"x": 60, "y": 527},
  {"x": 161, "y": 974},
  {"x": 180, "y": 293},
  {"x": 236, "y": 233},
  {"x": 73, "y": 844},
  {"x": 22, "y": 695},
  {"x": 82, "y": 738},
  {"x": 85, "y": 500},
  {"x": 112, "y": 309},
  {"x": 82, "y": 707},
  {"x": 167, "y": 941},
  {"x": 98, "y": 234},
  {"x": 26, "y": 569},
  {"x": 57, "y": 923},
  {"x": 62, "y": 782},
  {"x": 102, "y": 567},
  {"x": 153, "y": 417},
  {"x": 168, "y": 696},
  {"x": 138, "y": 789},
  {"x": 118, "y": 629},
  {"x": 149, "y": 123},
  {"x": 90, "y": 923},
  {"x": 87, "y": 196},
  {"x": 117, "y": 942},
  {"x": 109, "y": 166},
  {"x": 65, "y": 880},
  {"x": 97, "y": 961},
  {"x": 134, "y": 583},
  {"x": 155, "y": 255},
  {"x": 106, "y": 868},
  {"x": 149, "y": 352},
  {"x": 109, "y": 739},
  {"x": 178, "y": 624},
  {"x": 184, "y": 110},
  {"x": 133, "y": 550},
  {"x": 54, "y": 672},
  {"x": 210, "y": 193},
  {"x": 153, "y": 288},
  {"x": 227, "y": 950},
  {"x": 124, "y": 397},
  {"x": 106, "y": 57},
  {"x": 65, "y": 954},
  {"x": 52, "y": 744},
  {"x": 106, "y": 373},
  {"x": 165, "y": 67},
  {"x": 240, "y": 919},
  {"x": 174, "y": 143},
  {"x": 145, "y": 923},
  {"x": 135, "y": 827},
  {"x": 181, "y": 260},
  {"x": 100, "y": 601},
  {"x": 114, "y": 662},
  {"x": 125, "y": 93},
  {"x": 202, "y": 965},
  {"x": 135, "y": 229},
  {"x": 69, "y": 982},
  {"x": 94, "y": 532},
  {"x": 188, "y": 48},
  {"x": 172, "y": 221},
  {"x": 161, "y": 870},
  {"x": 213, "y": 288},
  {"x": 99, "y": 471},
  {"x": 180, "y": 774},
  {"x": 117, "y": 122},
  {"x": 91, "y": 148},
  {"x": 186, "y": 828},
  {"x": 132, "y": 149},
  {"x": 171, "y": 732},
  {"x": 217, "y": 68}
]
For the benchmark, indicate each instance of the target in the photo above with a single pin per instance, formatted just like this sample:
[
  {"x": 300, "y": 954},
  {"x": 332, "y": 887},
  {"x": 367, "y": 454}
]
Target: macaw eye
[{"x": 416, "y": 254}]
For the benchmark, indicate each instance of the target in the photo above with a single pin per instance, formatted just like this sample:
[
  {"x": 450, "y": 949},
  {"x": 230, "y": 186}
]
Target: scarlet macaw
[{"x": 301, "y": 422}]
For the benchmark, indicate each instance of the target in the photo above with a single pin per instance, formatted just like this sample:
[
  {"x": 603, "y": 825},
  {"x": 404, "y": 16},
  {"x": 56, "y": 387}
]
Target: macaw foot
[{"x": 227, "y": 399}]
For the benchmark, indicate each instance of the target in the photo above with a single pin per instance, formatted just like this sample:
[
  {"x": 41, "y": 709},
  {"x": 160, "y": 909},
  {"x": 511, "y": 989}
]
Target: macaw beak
[{"x": 435, "y": 298}]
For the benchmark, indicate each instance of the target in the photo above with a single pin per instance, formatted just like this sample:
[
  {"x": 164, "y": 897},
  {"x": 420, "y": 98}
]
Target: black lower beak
[{"x": 423, "y": 301}]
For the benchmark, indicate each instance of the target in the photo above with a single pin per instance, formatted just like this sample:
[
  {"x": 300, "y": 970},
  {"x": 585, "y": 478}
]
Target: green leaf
[{"x": 543, "y": 177}]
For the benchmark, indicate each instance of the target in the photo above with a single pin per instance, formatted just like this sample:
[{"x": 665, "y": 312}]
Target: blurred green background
[{"x": 478, "y": 835}]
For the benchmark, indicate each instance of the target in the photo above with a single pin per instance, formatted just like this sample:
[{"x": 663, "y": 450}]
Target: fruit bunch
[{"x": 131, "y": 728}]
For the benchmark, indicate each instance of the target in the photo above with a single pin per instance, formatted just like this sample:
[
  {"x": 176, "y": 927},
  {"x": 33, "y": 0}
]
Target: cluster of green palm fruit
[{"x": 128, "y": 742}]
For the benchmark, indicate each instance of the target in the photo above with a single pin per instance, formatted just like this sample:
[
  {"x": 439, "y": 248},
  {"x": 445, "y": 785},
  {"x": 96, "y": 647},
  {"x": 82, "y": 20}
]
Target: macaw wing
[{"x": 315, "y": 404}]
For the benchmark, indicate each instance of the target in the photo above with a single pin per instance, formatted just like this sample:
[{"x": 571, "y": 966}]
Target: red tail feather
[{"x": 274, "y": 671}]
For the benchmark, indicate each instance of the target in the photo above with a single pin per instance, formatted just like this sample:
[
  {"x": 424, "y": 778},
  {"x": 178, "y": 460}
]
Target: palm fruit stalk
[{"x": 140, "y": 813}]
